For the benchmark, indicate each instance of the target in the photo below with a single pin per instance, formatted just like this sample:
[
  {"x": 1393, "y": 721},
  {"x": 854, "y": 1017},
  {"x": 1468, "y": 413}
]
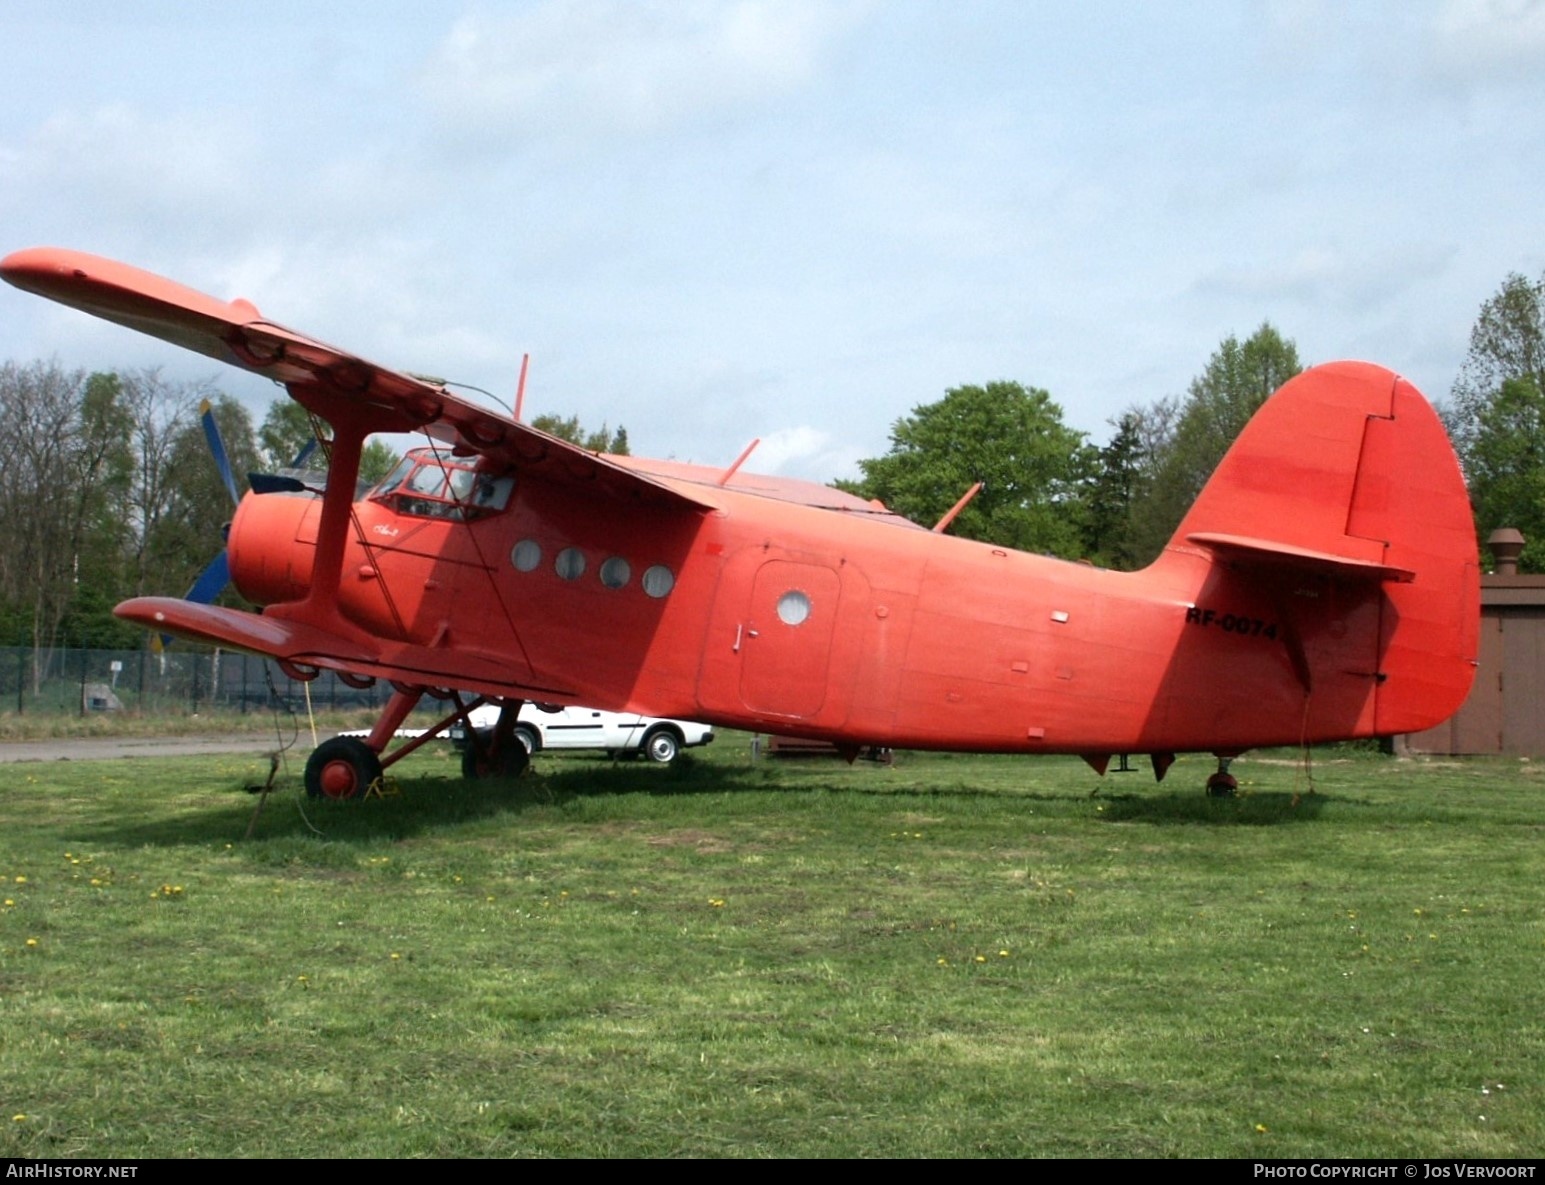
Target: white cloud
[
  {"x": 1485, "y": 41},
  {"x": 806, "y": 452},
  {"x": 611, "y": 66}
]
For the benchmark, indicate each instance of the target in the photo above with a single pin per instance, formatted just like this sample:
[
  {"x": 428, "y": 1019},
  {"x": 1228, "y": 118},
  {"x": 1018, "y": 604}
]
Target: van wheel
[{"x": 662, "y": 745}]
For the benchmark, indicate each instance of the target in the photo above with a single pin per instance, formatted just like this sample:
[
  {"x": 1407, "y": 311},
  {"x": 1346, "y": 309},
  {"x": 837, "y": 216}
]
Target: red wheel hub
[{"x": 339, "y": 780}]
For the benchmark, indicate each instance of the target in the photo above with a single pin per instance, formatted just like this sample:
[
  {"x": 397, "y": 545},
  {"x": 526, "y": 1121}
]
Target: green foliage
[
  {"x": 1495, "y": 415},
  {"x": 285, "y": 432},
  {"x": 1506, "y": 342},
  {"x": 1008, "y": 436},
  {"x": 601, "y": 440},
  {"x": 1506, "y": 467},
  {"x": 287, "y": 429},
  {"x": 1118, "y": 481},
  {"x": 190, "y": 529},
  {"x": 376, "y": 460},
  {"x": 67, "y": 470},
  {"x": 1239, "y": 377}
]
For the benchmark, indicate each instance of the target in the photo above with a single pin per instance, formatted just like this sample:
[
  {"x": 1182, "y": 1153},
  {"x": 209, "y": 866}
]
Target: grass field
[{"x": 951, "y": 957}]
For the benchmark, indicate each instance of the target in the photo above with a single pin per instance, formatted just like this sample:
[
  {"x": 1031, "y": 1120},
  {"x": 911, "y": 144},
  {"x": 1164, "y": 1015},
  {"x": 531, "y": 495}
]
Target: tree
[
  {"x": 1006, "y": 435},
  {"x": 1506, "y": 342},
  {"x": 1239, "y": 377},
  {"x": 63, "y": 436},
  {"x": 287, "y": 429},
  {"x": 602, "y": 440},
  {"x": 1506, "y": 467},
  {"x": 1495, "y": 415},
  {"x": 1119, "y": 479},
  {"x": 189, "y": 528}
]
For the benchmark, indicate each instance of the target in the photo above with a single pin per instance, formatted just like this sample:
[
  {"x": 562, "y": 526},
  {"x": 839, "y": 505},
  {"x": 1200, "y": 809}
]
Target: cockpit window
[{"x": 427, "y": 485}]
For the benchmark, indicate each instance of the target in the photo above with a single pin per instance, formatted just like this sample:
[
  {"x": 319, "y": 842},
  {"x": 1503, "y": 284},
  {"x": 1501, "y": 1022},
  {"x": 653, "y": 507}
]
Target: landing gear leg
[{"x": 1222, "y": 784}]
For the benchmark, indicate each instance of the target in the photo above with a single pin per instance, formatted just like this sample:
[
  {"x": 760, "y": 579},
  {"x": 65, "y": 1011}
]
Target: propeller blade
[
  {"x": 206, "y": 415},
  {"x": 306, "y": 450},
  {"x": 211, "y": 581},
  {"x": 210, "y": 584}
]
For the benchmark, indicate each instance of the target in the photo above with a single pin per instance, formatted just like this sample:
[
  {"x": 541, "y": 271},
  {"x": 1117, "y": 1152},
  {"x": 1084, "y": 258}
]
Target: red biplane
[{"x": 1324, "y": 585}]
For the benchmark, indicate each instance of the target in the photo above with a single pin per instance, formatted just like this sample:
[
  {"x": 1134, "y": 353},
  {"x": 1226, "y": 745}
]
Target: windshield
[{"x": 428, "y": 485}]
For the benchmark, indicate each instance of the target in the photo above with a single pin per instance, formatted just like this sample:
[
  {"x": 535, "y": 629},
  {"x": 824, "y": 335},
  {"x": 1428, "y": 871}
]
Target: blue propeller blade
[
  {"x": 211, "y": 581},
  {"x": 206, "y": 415}
]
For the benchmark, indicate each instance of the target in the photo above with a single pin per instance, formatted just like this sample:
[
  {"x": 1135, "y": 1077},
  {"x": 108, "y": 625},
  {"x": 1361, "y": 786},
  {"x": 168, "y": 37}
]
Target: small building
[{"x": 1505, "y": 712}]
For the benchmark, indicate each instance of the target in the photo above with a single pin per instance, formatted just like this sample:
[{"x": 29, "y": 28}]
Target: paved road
[{"x": 110, "y": 748}]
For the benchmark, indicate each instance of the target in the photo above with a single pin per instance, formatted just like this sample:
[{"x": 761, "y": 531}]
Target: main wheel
[
  {"x": 341, "y": 768},
  {"x": 510, "y": 762},
  {"x": 662, "y": 745}
]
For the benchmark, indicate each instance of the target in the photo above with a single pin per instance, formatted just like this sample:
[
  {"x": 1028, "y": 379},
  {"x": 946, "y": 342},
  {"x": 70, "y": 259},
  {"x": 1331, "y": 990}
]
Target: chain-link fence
[{"x": 181, "y": 679}]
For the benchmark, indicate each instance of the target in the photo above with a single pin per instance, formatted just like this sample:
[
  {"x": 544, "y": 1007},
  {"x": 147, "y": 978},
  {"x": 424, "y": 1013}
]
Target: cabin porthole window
[
  {"x": 658, "y": 580},
  {"x": 615, "y": 572},
  {"x": 793, "y": 607},
  {"x": 570, "y": 564},
  {"x": 526, "y": 555}
]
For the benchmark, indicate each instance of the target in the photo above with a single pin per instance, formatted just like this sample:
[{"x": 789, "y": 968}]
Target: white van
[{"x": 619, "y": 734}]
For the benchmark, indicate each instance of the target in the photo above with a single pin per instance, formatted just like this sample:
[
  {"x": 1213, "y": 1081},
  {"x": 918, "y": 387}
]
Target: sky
[{"x": 794, "y": 220}]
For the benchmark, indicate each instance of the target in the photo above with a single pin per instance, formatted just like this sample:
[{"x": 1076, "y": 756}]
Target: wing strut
[{"x": 320, "y": 604}]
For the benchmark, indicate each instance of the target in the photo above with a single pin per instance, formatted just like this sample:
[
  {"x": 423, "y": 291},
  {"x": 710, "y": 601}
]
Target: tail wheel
[
  {"x": 341, "y": 769},
  {"x": 1222, "y": 785},
  {"x": 662, "y": 745}
]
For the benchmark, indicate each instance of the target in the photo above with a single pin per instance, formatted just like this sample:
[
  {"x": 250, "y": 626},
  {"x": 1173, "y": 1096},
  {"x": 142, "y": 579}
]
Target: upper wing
[{"x": 328, "y": 380}]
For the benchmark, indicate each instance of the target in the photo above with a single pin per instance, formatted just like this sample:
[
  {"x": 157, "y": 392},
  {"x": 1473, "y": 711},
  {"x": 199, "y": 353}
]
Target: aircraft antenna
[
  {"x": 520, "y": 387},
  {"x": 479, "y": 390},
  {"x": 949, "y": 515},
  {"x": 738, "y": 462}
]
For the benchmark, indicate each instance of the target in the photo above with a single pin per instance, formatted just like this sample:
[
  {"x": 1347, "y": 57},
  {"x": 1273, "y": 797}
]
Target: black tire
[
  {"x": 341, "y": 769},
  {"x": 476, "y": 763},
  {"x": 1222, "y": 785},
  {"x": 529, "y": 737},
  {"x": 661, "y": 745}
]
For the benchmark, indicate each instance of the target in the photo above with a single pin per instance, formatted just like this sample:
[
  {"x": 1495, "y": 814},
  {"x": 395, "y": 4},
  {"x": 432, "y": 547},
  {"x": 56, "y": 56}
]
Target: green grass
[
  {"x": 953, "y": 957},
  {"x": 178, "y": 722}
]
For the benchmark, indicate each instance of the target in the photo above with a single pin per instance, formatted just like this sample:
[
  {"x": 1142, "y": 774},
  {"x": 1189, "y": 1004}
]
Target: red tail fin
[{"x": 1346, "y": 474}]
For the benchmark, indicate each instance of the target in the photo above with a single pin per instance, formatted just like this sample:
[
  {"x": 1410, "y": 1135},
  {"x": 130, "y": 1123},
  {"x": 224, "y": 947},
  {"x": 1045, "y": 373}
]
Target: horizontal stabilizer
[{"x": 1267, "y": 553}]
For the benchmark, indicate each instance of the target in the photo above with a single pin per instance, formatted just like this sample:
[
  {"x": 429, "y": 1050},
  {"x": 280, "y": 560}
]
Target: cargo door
[{"x": 785, "y": 638}]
